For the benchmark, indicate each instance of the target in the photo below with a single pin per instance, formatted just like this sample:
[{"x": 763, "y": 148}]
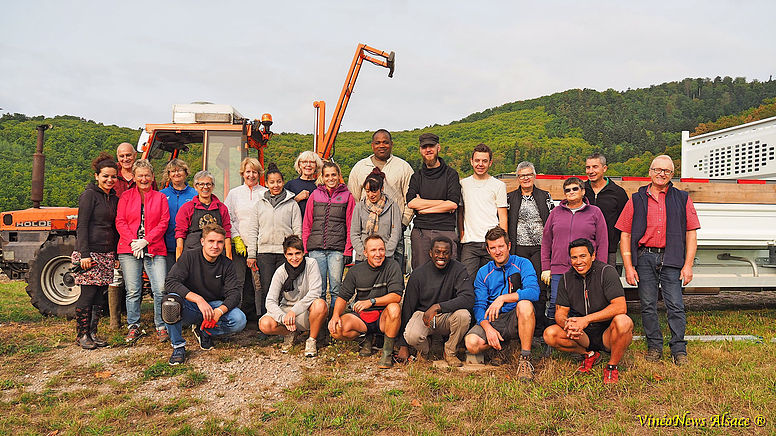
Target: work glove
[
  {"x": 138, "y": 244},
  {"x": 207, "y": 325},
  {"x": 239, "y": 246},
  {"x": 546, "y": 276},
  {"x": 138, "y": 254}
]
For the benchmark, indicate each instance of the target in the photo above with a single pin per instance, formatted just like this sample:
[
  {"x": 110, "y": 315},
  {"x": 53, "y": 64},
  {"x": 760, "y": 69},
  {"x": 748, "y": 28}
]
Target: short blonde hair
[
  {"x": 251, "y": 162},
  {"x": 171, "y": 165},
  {"x": 308, "y": 155}
]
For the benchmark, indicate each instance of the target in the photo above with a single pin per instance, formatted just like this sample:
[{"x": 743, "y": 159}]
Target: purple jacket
[{"x": 562, "y": 227}]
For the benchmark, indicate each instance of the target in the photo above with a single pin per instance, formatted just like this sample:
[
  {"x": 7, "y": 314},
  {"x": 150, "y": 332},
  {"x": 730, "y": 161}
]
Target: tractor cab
[{"x": 207, "y": 136}]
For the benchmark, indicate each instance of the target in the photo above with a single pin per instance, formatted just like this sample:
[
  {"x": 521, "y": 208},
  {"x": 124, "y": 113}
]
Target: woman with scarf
[
  {"x": 275, "y": 217},
  {"x": 326, "y": 227},
  {"x": 293, "y": 301},
  {"x": 95, "y": 249},
  {"x": 375, "y": 214}
]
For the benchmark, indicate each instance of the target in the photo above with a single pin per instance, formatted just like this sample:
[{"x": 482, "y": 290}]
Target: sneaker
[
  {"x": 680, "y": 359},
  {"x": 203, "y": 337},
  {"x": 310, "y": 347},
  {"x": 133, "y": 334},
  {"x": 653, "y": 355},
  {"x": 453, "y": 360},
  {"x": 590, "y": 360},
  {"x": 162, "y": 335},
  {"x": 288, "y": 342},
  {"x": 611, "y": 376},
  {"x": 525, "y": 371},
  {"x": 366, "y": 346},
  {"x": 178, "y": 356}
]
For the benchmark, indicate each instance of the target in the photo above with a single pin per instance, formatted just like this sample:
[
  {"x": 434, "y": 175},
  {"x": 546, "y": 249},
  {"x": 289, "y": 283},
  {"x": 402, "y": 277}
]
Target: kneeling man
[
  {"x": 591, "y": 312},
  {"x": 438, "y": 299},
  {"x": 202, "y": 290},
  {"x": 504, "y": 292},
  {"x": 377, "y": 285},
  {"x": 293, "y": 300}
]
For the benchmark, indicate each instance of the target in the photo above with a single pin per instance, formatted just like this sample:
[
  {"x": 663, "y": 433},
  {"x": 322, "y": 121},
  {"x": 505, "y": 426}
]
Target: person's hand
[
  {"x": 335, "y": 324},
  {"x": 494, "y": 338},
  {"x": 289, "y": 320},
  {"x": 361, "y": 305},
  {"x": 494, "y": 309},
  {"x": 575, "y": 326},
  {"x": 430, "y": 314},
  {"x": 205, "y": 309},
  {"x": 632, "y": 277},
  {"x": 403, "y": 354},
  {"x": 686, "y": 275},
  {"x": 86, "y": 262},
  {"x": 546, "y": 277},
  {"x": 251, "y": 264},
  {"x": 138, "y": 244},
  {"x": 138, "y": 254},
  {"x": 217, "y": 314},
  {"x": 239, "y": 246},
  {"x": 301, "y": 196}
]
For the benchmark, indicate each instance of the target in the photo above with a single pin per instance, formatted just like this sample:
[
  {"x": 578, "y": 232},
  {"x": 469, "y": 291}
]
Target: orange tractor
[{"x": 36, "y": 243}]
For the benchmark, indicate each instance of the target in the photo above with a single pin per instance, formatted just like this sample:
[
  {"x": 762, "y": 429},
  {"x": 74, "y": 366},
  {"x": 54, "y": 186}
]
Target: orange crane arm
[{"x": 324, "y": 141}]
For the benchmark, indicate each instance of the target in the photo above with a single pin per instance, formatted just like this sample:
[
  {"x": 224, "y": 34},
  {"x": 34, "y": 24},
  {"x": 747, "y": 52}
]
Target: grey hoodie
[{"x": 267, "y": 226}]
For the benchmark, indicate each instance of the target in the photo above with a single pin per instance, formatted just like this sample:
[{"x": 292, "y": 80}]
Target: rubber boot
[
  {"x": 82, "y": 318},
  {"x": 93, "y": 323},
  {"x": 386, "y": 360},
  {"x": 114, "y": 306}
]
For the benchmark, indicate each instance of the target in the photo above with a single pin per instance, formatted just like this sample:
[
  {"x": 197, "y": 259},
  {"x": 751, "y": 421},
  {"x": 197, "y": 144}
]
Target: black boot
[
  {"x": 82, "y": 318},
  {"x": 93, "y": 323}
]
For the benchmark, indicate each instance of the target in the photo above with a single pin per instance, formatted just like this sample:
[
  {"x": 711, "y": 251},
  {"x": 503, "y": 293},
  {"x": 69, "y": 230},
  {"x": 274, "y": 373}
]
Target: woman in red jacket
[{"x": 142, "y": 218}]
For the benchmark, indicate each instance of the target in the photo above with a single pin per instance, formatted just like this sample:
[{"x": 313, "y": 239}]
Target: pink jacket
[
  {"x": 157, "y": 216},
  {"x": 326, "y": 222}
]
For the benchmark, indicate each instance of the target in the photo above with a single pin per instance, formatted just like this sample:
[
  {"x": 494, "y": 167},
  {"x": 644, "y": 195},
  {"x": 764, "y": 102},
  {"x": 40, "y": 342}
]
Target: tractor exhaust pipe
[{"x": 38, "y": 168}]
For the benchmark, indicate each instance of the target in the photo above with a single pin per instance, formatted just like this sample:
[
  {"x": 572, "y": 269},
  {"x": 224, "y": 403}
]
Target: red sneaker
[
  {"x": 590, "y": 360},
  {"x": 611, "y": 376}
]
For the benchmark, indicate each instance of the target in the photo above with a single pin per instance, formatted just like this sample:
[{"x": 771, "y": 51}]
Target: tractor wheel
[{"x": 51, "y": 286}]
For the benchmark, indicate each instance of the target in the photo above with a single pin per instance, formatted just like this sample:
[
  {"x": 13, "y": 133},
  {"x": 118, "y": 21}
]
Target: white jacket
[{"x": 241, "y": 202}]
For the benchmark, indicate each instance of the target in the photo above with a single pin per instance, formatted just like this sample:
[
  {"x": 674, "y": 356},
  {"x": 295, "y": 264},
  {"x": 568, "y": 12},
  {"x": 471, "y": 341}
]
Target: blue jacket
[
  {"x": 175, "y": 200},
  {"x": 517, "y": 275}
]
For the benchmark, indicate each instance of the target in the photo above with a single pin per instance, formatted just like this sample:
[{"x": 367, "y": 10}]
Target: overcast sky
[{"x": 126, "y": 63}]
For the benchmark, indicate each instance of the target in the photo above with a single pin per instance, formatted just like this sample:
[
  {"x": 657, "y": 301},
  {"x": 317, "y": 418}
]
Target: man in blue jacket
[{"x": 503, "y": 294}]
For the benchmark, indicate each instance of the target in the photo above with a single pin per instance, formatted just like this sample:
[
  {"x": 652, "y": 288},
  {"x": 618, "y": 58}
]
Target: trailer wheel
[{"x": 51, "y": 287}]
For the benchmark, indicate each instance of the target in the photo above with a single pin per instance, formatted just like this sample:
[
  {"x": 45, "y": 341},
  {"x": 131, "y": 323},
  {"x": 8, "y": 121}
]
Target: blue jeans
[
  {"x": 554, "y": 282},
  {"x": 232, "y": 321},
  {"x": 331, "y": 263},
  {"x": 652, "y": 273},
  {"x": 132, "y": 269}
]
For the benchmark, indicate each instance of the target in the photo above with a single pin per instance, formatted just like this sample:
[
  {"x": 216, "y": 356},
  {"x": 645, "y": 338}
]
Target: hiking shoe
[
  {"x": 204, "y": 338},
  {"x": 653, "y": 355},
  {"x": 590, "y": 360},
  {"x": 133, "y": 334},
  {"x": 162, "y": 335},
  {"x": 525, "y": 371},
  {"x": 366, "y": 346},
  {"x": 178, "y": 356},
  {"x": 680, "y": 359},
  {"x": 310, "y": 347},
  {"x": 611, "y": 376},
  {"x": 288, "y": 342},
  {"x": 453, "y": 360}
]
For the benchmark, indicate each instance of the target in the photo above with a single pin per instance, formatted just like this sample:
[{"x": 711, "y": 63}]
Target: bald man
[{"x": 126, "y": 156}]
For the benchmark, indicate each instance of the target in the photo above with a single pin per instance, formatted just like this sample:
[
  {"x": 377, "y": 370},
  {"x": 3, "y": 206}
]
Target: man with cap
[{"x": 434, "y": 194}]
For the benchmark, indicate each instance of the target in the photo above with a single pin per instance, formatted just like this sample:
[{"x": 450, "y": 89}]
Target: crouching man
[
  {"x": 293, "y": 300},
  {"x": 438, "y": 299},
  {"x": 504, "y": 291},
  {"x": 377, "y": 285},
  {"x": 203, "y": 291},
  {"x": 591, "y": 312}
]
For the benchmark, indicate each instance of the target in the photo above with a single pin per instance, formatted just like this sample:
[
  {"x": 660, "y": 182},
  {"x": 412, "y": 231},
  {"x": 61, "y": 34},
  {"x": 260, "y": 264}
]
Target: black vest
[{"x": 676, "y": 224}]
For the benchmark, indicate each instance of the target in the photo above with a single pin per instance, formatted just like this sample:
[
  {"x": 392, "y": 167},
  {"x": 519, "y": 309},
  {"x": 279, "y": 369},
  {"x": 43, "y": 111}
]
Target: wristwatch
[{"x": 373, "y": 301}]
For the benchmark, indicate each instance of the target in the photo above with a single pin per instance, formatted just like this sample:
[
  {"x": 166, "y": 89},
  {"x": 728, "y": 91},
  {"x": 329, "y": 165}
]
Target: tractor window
[{"x": 224, "y": 153}]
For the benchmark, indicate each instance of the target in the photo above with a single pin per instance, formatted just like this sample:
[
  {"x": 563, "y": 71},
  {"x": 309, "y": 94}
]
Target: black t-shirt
[
  {"x": 298, "y": 185},
  {"x": 602, "y": 283},
  {"x": 366, "y": 282},
  {"x": 440, "y": 183},
  {"x": 611, "y": 200}
]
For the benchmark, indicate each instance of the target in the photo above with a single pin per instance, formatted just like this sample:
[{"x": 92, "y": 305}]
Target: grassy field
[{"x": 48, "y": 387}]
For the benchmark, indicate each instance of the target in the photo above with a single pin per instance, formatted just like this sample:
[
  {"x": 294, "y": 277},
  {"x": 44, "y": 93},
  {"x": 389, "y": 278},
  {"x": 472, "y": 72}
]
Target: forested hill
[{"x": 556, "y": 132}]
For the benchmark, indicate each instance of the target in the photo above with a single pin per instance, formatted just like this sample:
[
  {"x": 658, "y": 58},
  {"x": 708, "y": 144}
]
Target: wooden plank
[{"x": 700, "y": 192}]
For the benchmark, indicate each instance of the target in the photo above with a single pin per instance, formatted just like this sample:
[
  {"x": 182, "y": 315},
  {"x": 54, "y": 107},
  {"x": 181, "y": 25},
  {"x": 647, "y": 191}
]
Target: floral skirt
[{"x": 101, "y": 272}]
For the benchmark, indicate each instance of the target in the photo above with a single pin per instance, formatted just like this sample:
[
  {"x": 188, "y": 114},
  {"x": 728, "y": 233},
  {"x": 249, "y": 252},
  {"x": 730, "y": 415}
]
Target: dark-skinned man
[
  {"x": 377, "y": 286},
  {"x": 504, "y": 292},
  {"x": 437, "y": 300},
  {"x": 591, "y": 313}
]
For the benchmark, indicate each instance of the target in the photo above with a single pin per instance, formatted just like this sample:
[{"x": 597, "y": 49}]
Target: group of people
[{"x": 528, "y": 270}]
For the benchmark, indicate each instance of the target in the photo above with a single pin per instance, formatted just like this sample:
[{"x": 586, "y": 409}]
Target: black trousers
[
  {"x": 91, "y": 296},
  {"x": 534, "y": 254},
  {"x": 268, "y": 263}
]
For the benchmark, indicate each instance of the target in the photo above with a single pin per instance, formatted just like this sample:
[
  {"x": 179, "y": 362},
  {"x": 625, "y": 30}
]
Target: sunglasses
[{"x": 571, "y": 189}]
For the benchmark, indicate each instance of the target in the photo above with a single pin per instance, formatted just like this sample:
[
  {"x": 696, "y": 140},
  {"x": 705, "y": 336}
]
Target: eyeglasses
[
  {"x": 306, "y": 162},
  {"x": 177, "y": 170},
  {"x": 571, "y": 189},
  {"x": 661, "y": 171},
  {"x": 525, "y": 176},
  {"x": 204, "y": 185}
]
